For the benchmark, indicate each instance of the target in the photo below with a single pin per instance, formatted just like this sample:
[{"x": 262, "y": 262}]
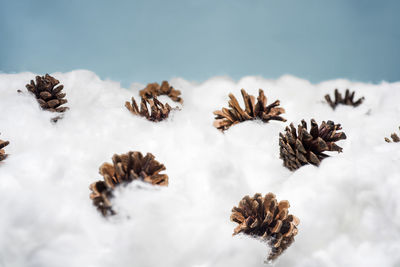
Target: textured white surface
[{"x": 349, "y": 207}]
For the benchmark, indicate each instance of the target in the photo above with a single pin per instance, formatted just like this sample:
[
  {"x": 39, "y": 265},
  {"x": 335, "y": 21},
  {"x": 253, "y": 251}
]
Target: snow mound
[{"x": 349, "y": 207}]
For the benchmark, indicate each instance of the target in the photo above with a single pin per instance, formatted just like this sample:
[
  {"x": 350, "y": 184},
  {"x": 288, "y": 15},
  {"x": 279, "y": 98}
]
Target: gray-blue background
[{"x": 151, "y": 40}]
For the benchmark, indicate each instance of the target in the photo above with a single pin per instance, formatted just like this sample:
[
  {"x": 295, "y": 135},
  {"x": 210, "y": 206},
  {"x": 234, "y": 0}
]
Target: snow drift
[{"x": 349, "y": 207}]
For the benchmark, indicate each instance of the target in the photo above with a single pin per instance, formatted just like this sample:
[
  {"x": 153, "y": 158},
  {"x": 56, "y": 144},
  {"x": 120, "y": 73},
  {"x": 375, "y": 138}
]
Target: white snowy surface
[{"x": 349, "y": 207}]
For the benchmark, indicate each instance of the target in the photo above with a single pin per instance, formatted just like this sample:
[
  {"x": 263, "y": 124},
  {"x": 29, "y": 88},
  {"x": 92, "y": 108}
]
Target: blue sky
[{"x": 151, "y": 40}]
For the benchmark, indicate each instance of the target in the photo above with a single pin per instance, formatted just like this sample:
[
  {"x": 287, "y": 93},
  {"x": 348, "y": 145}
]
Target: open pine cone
[
  {"x": 266, "y": 219},
  {"x": 158, "y": 111},
  {"x": 47, "y": 94},
  {"x": 154, "y": 90},
  {"x": 125, "y": 168},
  {"x": 347, "y": 100},
  {"x": 225, "y": 118},
  {"x": 301, "y": 148},
  {"x": 3, "y": 154},
  {"x": 394, "y": 137}
]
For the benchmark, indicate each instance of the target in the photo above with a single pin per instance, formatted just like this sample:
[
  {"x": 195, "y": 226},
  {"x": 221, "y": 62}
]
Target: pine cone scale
[
  {"x": 395, "y": 137},
  {"x": 3, "y": 154},
  {"x": 58, "y": 89},
  {"x": 234, "y": 104},
  {"x": 249, "y": 105},
  {"x": 3, "y": 143},
  {"x": 100, "y": 196},
  {"x": 45, "y": 95}
]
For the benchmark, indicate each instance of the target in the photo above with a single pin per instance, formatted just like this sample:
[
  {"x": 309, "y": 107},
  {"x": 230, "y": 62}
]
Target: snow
[{"x": 349, "y": 207}]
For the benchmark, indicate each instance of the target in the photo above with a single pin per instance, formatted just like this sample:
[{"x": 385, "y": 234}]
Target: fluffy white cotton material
[{"x": 349, "y": 207}]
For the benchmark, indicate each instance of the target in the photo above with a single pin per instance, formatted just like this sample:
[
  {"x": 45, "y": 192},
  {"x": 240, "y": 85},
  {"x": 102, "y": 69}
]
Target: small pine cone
[
  {"x": 394, "y": 137},
  {"x": 158, "y": 111},
  {"x": 304, "y": 148},
  {"x": 47, "y": 94},
  {"x": 3, "y": 154},
  {"x": 347, "y": 100},
  {"x": 266, "y": 219},
  {"x": 125, "y": 169},
  {"x": 154, "y": 90},
  {"x": 225, "y": 118}
]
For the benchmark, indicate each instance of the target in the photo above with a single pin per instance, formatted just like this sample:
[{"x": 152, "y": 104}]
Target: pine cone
[
  {"x": 394, "y": 137},
  {"x": 49, "y": 97},
  {"x": 159, "y": 111},
  {"x": 225, "y": 118},
  {"x": 304, "y": 148},
  {"x": 125, "y": 169},
  {"x": 266, "y": 219},
  {"x": 3, "y": 154},
  {"x": 347, "y": 100},
  {"x": 154, "y": 90}
]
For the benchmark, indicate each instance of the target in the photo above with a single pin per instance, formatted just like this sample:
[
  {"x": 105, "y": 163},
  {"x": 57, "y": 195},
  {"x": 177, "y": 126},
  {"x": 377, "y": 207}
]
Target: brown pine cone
[
  {"x": 301, "y": 148},
  {"x": 47, "y": 94},
  {"x": 347, "y": 100},
  {"x": 125, "y": 169},
  {"x": 394, "y": 137},
  {"x": 225, "y": 118},
  {"x": 154, "y": 90},
  {"x": 266, "y": 219},
  {"x": 158, "y": 111},
  {"x": 3, "y": 154}
]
